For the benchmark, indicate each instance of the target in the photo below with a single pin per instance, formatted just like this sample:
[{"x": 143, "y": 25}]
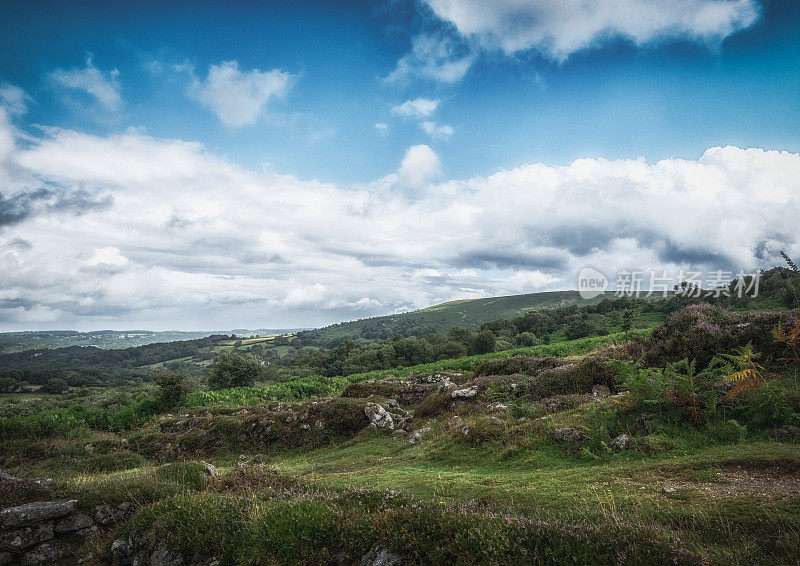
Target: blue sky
[
  {"x": 671, "y": 98},
  {"x": 199, "y": 165}
]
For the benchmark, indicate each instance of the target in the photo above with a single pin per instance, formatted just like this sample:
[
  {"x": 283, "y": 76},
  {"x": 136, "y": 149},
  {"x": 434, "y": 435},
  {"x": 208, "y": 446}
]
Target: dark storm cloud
[
  {"x": 508, "y": 260},
  {"x": 20, "y": 206}
]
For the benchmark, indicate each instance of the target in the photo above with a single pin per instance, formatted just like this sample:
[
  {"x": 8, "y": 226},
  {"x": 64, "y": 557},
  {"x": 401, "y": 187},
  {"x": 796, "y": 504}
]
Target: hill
[{"x": 440, "y": 318}]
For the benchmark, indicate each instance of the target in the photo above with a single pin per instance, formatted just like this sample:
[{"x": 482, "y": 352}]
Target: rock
[
  {"x": 319, "y": 425},
  {"x": 787, "y": 432},
  {"x": 120, "y": 548},
  {"x": 163, "y": 556},
  {"x": 666, "y": 490},
  {"x": 621, "y": 442},
  {"x": 47, "y": 553},
  {"x": 600, "y": 392},
  {"x": 305, "y": 426},
  {"x": 32, "y": 513},
  {"x": 105, "y": 514},
  {"x": 643, "y": 421},
  {"x": 19, "y": 539},
  {"x": 551, "y": 404},
  {"x": 380, "y": 556},
  {"x": 378, "y": 417},
  {"x": 89, "y": 448},
  {"x": 568, "y": 435},
  {"x": 467, "y": 393},
  {"x": 125, "y": 506},
  {"x": 209, "y": 470},
  {"x": 417, "y": 436},
  {"x": 72, "y": 523},
  {"x": 497, "y": 407}
]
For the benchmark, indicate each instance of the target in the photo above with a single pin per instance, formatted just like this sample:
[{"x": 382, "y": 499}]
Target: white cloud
[
  {"x": 436, "y": 130},
  {"x": 104, "y": 87},
  {"x": 432, "y": 58},
  {"x": 559, "y": 28},
  {"x": 187, "y": 239},
  {"x": 417, "y": 108},
  {"x": 239, "y": 97},
  {"x": 14, "y": 99},
  {"x": 420, "y": 166},
  {"x": 381, "y": 127}
]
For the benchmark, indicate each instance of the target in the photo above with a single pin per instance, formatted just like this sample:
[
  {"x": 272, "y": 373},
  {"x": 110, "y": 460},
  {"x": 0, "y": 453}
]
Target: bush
[
  {"x": 56, "y": 385},
  {"x": 171, "y": 389},
  {"x": 234, "y": 370}
]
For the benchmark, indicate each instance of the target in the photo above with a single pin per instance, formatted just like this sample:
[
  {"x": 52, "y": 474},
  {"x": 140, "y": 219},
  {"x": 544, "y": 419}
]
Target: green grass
[{"x": 314, "y": 386}]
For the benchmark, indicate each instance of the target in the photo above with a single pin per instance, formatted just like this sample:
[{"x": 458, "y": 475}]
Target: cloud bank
[
  {"x": 559, "y": 28},
  {"x": 130, "y": 230}
]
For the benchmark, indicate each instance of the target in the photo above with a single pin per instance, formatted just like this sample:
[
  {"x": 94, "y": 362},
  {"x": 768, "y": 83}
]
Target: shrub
[{"x": 234, "y": 370}]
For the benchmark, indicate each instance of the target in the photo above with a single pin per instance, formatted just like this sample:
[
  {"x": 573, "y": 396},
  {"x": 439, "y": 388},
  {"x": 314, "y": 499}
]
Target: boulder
[
  {"x": 621, "y": 442},
  {"x": 105, "y": 514},
  {"x": 380, "y": 556},
  {"x": 72, "y": 523},
  {"x": 32, "y": 513},
  {"x": 551, "y": 404},
  {"x": 497, "y": 407},
  {"x": 568, "y": 435},
  {"x": 46, "y": 553},
  {"x": 466, "y": 393},
  {"x": 19, "y": 539},
  {"x": 378, "y": 417}
]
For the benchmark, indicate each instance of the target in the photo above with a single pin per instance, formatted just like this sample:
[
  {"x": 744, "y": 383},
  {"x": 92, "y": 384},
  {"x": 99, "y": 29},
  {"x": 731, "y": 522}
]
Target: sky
[{"x": 194, "y": 165}]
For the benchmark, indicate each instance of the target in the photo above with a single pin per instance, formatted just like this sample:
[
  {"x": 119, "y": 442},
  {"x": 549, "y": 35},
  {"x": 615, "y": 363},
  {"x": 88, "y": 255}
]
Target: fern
[
  {"x": 789, "y": 337},
  {"x": 747, "y": 376}
]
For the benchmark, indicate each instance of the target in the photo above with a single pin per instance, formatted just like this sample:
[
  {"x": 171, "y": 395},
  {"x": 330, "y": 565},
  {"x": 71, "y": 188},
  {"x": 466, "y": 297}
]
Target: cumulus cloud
[
  {"x": 104, "y": 87},
  {"x": 239, "y": 97},
  {"x": 438, "y": 59},
  {"x": 417, "y": 108},
  {"x": 170, "y": 235},
  {"x": 381, "y": 127},
  {"x": 558, "y": 28}
]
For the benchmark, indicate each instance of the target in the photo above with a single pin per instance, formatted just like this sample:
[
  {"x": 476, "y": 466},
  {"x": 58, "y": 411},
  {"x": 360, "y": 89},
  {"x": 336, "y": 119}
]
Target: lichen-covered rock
[
  {"x": 621, "y": 442},
  {"x": 465, "y": 393},
  {"x": 417, "y": 435},
  {"x": 568, "y": 435},
  {"x": 19, "y": 539},
  {"x": 378, "y": 416},
  {"x": 551, "y": 404},
  {"x": 46, "y": 553},
  {"x": 105, "y": 514},
  {"x": 600, "y": 391},
  {"x": 32, "y": 513},
  {"x": 380, "y": 556},
  {"x": 72, "y": 523},
  {"x": 497, "y": 407},
  {"x": 787, "y": 432}
]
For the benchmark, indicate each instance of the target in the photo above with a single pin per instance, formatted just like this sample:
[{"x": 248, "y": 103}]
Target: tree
[
  {"x": 171, "y": 388},
  {"x": 234, "y": 370},
  {"x": 56, "y": 385},
  {"x": 483, "y": 342},
  {"x": 8, "y": 384},
  {"x": 627, "y": 322},
  {"x": 526, "y": 339}
]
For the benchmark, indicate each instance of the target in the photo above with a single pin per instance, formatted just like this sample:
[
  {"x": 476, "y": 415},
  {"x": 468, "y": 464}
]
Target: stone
[
  {"x": 378, "y": 417},
  {"x": 621, "y": 442},
  {"x": 600, "y": 392},
  {"x": 105, "y": 514},
  {"x": 379, "y": 556},
  {"x": 46, "y": 553},
  {"x": 19, "y": 539},
  {"x": 466, "y": 393},
  {"x": 72, "y": 523},
  {"x": 32, "y": 513},
  {"x": 568, "y": 435},
  {"x": 120, "y": 548},
  {"x": 417, "y": 435},
  {"x": 163, "y": 556},
  {"x": 497, "y": 407}
]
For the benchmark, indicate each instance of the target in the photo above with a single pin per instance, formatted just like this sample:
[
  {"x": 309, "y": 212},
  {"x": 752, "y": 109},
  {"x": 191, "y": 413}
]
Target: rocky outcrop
[
  {"x": 621, "y": 442},
  {"x": 381, "y": 556},
  {"x": 466, "y": 393},
  {"x": 568, "y": 435}
]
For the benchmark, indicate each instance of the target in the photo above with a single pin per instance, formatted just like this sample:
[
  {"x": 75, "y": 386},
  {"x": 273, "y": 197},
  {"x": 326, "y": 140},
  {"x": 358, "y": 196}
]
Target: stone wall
[{"x": 37, "y": 533}]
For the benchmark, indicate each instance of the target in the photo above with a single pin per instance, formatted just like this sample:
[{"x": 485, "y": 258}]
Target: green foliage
[
  {"x": 56, "y": 385},
  {"x": 232, "y": 369},
  {"x": 171, "y": 389}
]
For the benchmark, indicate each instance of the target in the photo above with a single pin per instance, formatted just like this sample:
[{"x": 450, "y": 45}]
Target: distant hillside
[
  {"x": 440, "y": 318},
  {"x": 11, "y": 342}
]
